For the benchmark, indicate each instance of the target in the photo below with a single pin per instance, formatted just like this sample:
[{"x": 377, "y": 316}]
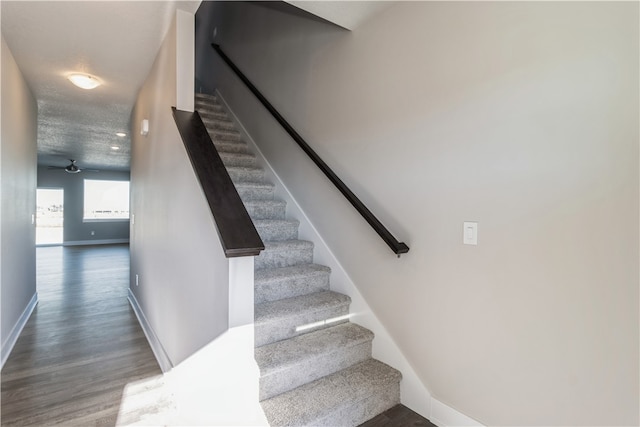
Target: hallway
[{"x": 82, "y": 350}]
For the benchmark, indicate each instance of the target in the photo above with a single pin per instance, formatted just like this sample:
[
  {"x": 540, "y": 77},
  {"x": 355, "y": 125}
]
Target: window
[{"x": 106, "y": 200}]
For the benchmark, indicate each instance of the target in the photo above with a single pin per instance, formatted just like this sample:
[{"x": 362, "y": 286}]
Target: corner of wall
[
  {"x": 156, "y": 346},
  {"x": 185, "y": 60},
  {"x": 444, "y": 416},
  {"x": 11, "y": 340}
]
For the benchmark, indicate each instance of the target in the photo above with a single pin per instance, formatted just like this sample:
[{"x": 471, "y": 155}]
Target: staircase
[{"x": 315, "y": 366}]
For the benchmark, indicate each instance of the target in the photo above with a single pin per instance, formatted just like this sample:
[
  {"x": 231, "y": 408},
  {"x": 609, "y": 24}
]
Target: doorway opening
[{"x": 49, "y": 216}]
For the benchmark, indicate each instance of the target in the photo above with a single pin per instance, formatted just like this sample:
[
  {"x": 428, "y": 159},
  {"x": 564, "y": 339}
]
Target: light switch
[
  {"x": 470, "y": 233},
  {"x": 144, "y": 127}
]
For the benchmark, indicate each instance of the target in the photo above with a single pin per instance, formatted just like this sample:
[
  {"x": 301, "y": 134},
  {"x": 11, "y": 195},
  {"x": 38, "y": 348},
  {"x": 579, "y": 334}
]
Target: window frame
[{"x": 84, "y": 205}]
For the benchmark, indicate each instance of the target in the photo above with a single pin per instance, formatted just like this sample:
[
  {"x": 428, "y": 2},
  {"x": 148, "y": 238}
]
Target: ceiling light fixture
[
  {"x": 115, "y": 147},
  {"x": 121, "y": 134},
  {"x": 84, "y": 81},
  {"x": 72, "y": 168}
]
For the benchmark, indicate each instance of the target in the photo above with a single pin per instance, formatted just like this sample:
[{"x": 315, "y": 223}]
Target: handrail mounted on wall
[{"x": 396, "y": 246}]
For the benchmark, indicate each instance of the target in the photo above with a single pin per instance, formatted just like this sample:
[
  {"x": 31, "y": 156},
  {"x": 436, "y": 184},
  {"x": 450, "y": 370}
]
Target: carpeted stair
[{"x": 315, "y": 366}]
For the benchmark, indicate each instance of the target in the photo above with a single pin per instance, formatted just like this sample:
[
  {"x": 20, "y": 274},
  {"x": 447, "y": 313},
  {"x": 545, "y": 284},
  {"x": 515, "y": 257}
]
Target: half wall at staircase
[
  {"x": 182, "y": 283},
  {"x": 520, "y": 116}
]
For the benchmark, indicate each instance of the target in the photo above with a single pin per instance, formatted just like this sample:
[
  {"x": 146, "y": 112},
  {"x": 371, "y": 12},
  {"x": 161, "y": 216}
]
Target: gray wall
[
  {"x": 73, "y": 184},
  {"x": 522, "y": 116},
  {"x": 183, "y": 286},
  {"x": 17, "y": 195}
]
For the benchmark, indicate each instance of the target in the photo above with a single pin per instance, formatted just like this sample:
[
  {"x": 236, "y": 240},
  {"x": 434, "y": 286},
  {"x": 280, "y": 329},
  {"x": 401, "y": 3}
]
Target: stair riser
[
  {"x": 233, "y": 159},
  {"x": 274, "y": 290},
  {"x": 325, "y": 364},
  {"x": 231, "y": 147},
  {"x": 217, "y": 124},
  {"x": 207, "y": 101},
  {"x": 272, "y": 258},
  {"x": 364, "y": 410},
  {"x": 281, "y": 329},
  {"x": 218, "y": 135},
  {"x": 206, "y": 96},
  {"x": 277, "y": 232},
  {"x": 266, "y": 211},
  {"x": 253, "y": 193},
  {"x": 209, "y": 107},
  {"x": 251, "y": 175},
  {"x": 211, "y": 114}
]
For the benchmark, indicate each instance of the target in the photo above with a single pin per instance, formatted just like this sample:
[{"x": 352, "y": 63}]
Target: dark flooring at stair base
[{"x": 398, "y": 416}]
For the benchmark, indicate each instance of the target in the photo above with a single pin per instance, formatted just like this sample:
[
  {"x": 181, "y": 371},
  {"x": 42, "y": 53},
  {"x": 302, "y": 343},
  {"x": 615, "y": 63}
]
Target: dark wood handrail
[
  {"x": 396, "y": 246},
  {"x": 235, "y": 228}
]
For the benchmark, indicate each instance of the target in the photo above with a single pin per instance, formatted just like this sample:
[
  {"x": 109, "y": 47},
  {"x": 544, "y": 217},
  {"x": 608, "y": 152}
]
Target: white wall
[
  {"x": 18, "y": 201},
  {"x": 182, "y": 272},
  {"x": 522, "y": 116}
]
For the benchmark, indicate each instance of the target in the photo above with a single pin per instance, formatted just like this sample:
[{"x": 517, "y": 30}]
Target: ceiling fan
[{"x": 73, "y": 168}]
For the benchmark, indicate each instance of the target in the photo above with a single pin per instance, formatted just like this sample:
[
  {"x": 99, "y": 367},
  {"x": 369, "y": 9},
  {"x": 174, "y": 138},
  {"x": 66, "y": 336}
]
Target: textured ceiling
[{"x": 116, "y": 41}]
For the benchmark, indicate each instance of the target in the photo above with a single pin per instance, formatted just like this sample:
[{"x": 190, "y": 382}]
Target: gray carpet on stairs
[{"x": 316, "y": 367}]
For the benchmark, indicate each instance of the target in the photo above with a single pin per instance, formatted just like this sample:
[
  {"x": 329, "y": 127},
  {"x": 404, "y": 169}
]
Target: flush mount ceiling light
[
  {"x": 115, "y": 147},
  {"x": 121, "y": 134},
  {"x": 84, "y": 81}
]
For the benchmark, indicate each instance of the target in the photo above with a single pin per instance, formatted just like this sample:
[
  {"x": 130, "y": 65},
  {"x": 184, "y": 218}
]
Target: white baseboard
[
  {"x": 10, "y": 342},
  {"x": 413, "y": 392},
  {"x": 95, "y": 242},
  {"x": 158, "y": 351},
  {"x": 445, "y": 416}
]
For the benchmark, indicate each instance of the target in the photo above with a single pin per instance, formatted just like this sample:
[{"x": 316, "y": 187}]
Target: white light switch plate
[{"x": 470, "y": 233}]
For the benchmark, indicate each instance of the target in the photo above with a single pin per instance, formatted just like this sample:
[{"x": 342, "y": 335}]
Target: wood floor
[
  {"x": 82, "y": 350},
  {"x": 398, "y": 416}
]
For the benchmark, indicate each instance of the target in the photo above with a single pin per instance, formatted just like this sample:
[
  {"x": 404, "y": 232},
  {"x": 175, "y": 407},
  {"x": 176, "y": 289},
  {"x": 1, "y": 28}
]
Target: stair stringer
[{"x": 413, "y": 392}]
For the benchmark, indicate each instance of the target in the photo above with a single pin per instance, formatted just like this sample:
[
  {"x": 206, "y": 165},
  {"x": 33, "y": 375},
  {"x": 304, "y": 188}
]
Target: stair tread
[
  {"x": 313, "y": 401},
  {"x": 253, "y": 184},
  {"x": 205, "y": 95},
  {"x": 238, "y": 155},
  {"x": 216, "y": 124},
  {"x": 283, "y": 253},
  {"x": 274, "y": 310},
  {"x": 232, "y": 147},
  {"x": 266, "y": 208},
  {"x": 211, "y": 111},
  {"x": 288, "y": 244},
  {"x": 202, "y": 103},
  {"x": 242, "y": 168},
  {"x": 215, "y": 117},
  {"x": 274, "y": 274},
  {"x": 274, "y": 203},
  {"x": 276, "y": 222},
  {"x": 286, "y": 353},
  {"x": 221, "y": 133}
]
